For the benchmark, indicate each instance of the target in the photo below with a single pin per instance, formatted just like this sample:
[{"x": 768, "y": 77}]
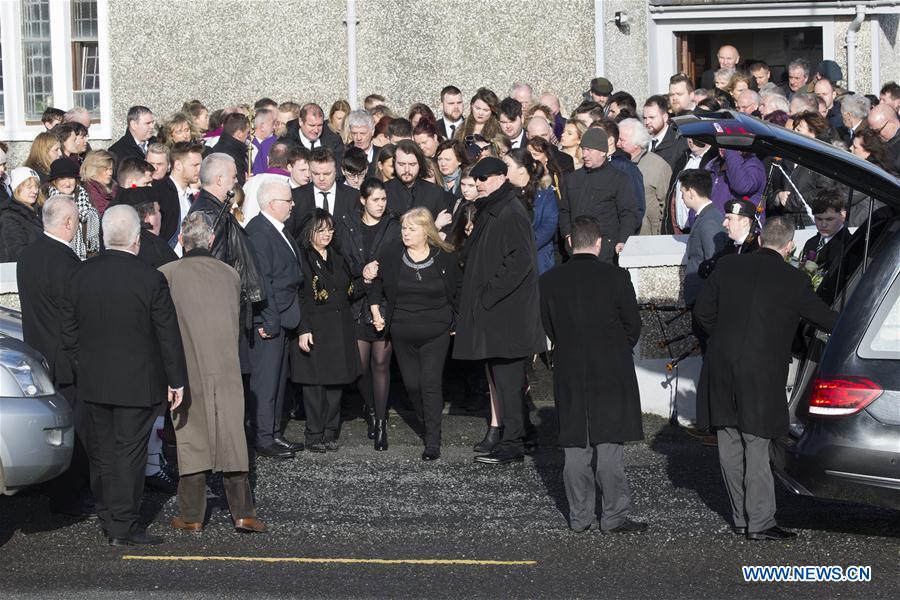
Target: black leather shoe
[
  {"x": 371, "y": 427},
  {"x": 140, "y": 538},
  {"x": 628, "y": 526},
  {"x": 490, "y": 441},
  {"x": 739, "y": 530},
  {"x": 431, "y": 454},
  {"x": 317, "y": 447},
  {"x": 332, "y": 446},
  {"x": 273, "y": 450},
  {"x": 772, "y": 533},
  {"x": 496, "y": 458},
  {"x": 161, "y": 482},
  {"x": 381, "y": 437},
  {"x": 292, "y": 446}
]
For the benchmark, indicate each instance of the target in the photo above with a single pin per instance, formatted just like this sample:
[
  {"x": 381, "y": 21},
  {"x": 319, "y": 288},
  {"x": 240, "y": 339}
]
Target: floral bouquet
[{"x": 807, "y": 264}]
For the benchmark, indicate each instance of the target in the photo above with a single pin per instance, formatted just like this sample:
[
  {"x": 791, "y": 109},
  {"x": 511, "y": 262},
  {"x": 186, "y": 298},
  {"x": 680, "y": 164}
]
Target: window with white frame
[{"x": 53, "y": 53}]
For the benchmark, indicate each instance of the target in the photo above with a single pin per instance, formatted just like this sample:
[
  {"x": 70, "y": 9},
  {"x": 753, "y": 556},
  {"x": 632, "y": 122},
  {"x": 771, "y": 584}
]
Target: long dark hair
[
  {"x": 523, "y": 158},
  {"x": 544, "y": 147},
  {"x": 464, "y": 216},
  {"x": 316, "y": 219}
]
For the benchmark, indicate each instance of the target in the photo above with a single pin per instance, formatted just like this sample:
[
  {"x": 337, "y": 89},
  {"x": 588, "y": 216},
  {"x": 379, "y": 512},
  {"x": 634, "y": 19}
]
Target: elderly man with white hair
[
  {"x": 361, "y": 126},
  {"x": 129, "y": 359},
  {"x": 771, "y": 101},
  {"x": 748, "y": 102},
  {"x": 634, "y": 139},
  {"x": 854, "y": 110},
  {"x": 274, "y": 319}
]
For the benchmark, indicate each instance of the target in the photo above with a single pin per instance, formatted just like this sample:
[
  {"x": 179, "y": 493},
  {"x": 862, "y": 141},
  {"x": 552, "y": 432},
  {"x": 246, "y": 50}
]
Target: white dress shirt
[{"x": 317, "y": 196}]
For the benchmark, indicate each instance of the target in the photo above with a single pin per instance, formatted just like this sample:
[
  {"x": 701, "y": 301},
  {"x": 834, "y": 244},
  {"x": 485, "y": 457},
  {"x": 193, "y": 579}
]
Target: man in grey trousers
[{"x": 589, "y": 310}]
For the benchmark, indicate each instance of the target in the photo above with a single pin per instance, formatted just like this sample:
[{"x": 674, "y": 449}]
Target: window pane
[
  {"x": 86, "y": 56},
  {"x": 37, "y": 67}
]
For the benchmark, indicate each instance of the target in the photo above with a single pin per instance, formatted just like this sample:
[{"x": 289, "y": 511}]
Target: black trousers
[
  {"x": 421, "y": 349},
  {"x": 192, "y": 496},
  {"x": 71, "y": 490},
  {"x": 322, "y": 404},
  {"x": 117, "y": 448},
  {"x": 509, "y": 380},
  {"x": 268, "y": 379}
]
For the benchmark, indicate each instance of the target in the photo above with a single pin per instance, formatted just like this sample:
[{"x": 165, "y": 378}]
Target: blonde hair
[
  {"x": 40, "y": 147},
  {"x": 422, "y": 217},
  {"x": 94, "y": 162},
  {"x": 41, "y": 197}
]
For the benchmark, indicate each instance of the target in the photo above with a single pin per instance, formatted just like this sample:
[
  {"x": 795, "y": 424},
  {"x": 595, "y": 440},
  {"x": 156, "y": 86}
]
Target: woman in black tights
[
  {"x": 420, "y": 281},
  {"x": 364, "y": 233}
]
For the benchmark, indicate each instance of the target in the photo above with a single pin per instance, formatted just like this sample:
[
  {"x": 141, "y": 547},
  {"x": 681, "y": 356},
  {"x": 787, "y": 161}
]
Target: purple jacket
[
  {"x": 261, "y": 161},
  {"x": 743, "y": 176}
]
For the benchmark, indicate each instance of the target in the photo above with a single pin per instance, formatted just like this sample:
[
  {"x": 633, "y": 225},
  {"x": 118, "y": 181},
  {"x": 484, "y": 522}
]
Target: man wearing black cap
[
  {"x": 601, "y": 89},
  {"x": 742, "y": 230},
  {"x": 154, "y": 250},
  {"x": 600, "y": 191},
  {"x": 750, "y": 308},
  {"x": 499, "y": 315}
]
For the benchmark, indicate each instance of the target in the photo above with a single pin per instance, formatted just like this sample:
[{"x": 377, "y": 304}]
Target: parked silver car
[{"x": 36, "y": 429}]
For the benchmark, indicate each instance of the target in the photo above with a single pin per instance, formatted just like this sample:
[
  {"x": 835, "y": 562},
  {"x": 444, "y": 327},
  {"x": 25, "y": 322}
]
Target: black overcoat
[
  {"x": 401, "y": 198},
  {"x": 499, "y": 310},
  {"x": 353, "y": 249},
  {"x": 750, "y": 307},
  {"x": 590, "y": 312},
  {"x": 20, "y": 226},
  {"x": 334, "y": 356},
  {"x": 42, "y": 272}
]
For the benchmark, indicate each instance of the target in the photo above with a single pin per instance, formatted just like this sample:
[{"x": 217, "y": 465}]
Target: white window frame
[
  {"x": 664, "y": 27},
  {"x": 14, "y": 127}
]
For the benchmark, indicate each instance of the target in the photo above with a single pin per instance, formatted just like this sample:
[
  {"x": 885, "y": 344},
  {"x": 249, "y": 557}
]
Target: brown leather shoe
[
  {"x": 249, "y": 525},
  {"x": 180, "y": 523}
]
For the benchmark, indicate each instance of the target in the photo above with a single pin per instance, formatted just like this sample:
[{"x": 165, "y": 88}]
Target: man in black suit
[
  {"x": 511, "y": 122},
  {"x": 323, "y": 191},
  {"x": 663, "y": 140},
  {"x": 538, "y": 126},
  {"x": 452, "y": 109},
  {"x": 310, "y": 132},
  {"x": 589, "y": 310},
  {"x": 826, "y": 248},
  {"x": 174, "y": 191},
  {"x": 408, "y": 189},
  {"x": 233, "y": 142},
  {"x": 362, "y": 128},
  {"x": 750, "y": 308},
  {"x": 138, "y": 136},
  {"x": 728, "y": 58},
  {"x": 43, "y": 271},
  {"x": 274, "y": 319},
  {"x": 154, "y": 252},
  {"x": 121, "y": 330}
]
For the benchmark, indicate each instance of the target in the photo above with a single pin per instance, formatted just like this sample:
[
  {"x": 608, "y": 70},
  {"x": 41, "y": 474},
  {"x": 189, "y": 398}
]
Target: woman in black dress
[
  {"x": 325, "y": 358},
  {"x": 363, "y": 236},
  {"x": 419, "y": 280}
]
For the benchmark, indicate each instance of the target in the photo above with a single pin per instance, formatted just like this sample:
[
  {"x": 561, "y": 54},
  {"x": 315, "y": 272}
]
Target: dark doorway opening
[{"x": 777, "y": 47}]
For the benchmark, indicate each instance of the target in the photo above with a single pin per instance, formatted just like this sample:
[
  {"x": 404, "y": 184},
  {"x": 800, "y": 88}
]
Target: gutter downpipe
[
  {"x": 599, "y": 38},
  {"x": 851, "y": 45},
  {"x": 875, "y": 36},
  {"x": 352, "y": 80}
]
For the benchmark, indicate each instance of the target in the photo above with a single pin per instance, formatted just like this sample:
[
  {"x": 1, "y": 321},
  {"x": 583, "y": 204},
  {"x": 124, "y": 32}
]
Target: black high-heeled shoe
[
  {"x": 381, "y": 438},
  {"x": 370, "y": 423},
  {"x": 491, "y": 439}
]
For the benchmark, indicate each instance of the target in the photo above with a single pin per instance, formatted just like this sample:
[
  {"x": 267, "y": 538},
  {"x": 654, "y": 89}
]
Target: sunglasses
[{"x": 483, "y": 178}]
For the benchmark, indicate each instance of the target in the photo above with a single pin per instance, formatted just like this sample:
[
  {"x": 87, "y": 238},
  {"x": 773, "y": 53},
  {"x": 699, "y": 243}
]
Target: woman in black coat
[
  {"x": 419, "y": 280},
  {"x": 363, "y": 235},
  {"x": 20, "y": 218},
  {"x": 325, "y": 358}
]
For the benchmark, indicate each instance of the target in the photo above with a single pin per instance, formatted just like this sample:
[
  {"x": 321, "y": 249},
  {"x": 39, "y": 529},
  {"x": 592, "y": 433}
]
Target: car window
[{"x": 882, "y": 338}]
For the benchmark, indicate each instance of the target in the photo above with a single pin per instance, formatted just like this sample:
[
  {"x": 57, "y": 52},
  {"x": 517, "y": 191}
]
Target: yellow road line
[{"x": 342, "y": 561}]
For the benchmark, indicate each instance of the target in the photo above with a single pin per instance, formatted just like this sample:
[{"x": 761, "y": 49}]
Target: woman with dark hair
[
  {"x": 326, "y": 357},
  {"x": 867, "y": 145},
  {"x": 380, "y": 136},
  {"x": 419, "y": 283},
  {"x": 72, "y": 137},
  {"x": 813, "y": 125},
  {"x": 483, "y": 120},
  {"x": 451, "y": 158},
  {"x": 363, "y": 236},
  {"x": 425, "y": 134},
  {"x": 418, "y": 111},
  {"x": 526, "y": 174},
  {"x": 336, "y": 116},
  {"x": 384, "y": 162},
  {"x": 778, "y": 117},
  {"x": 463, "y": 224},
  {"x": 542, "y": 151}
]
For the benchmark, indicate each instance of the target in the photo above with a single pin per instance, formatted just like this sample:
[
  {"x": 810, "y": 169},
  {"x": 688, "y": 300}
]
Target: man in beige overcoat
[{"x": 209, "y": 424}]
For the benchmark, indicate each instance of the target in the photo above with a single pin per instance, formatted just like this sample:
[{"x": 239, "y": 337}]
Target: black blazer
[
  {"x": 346, "y": 200},
  {"x": 564, "y": 161},
  {"x": 236, "y": 150},
  {"x": 671, "y": 147},
  {"x": 155, "y": 252},
  {"x": 828, "y": 259},
  {"x": 385, "y": 286},
  {"x": 750, "y": 307},
  {"x": 422, "y": 193},
  {"x": 19, "y": 227},
  {"x": 280, "y": 270},
  {"x": 588, "y": 303},
  {"x": 126, "y": 147},
  {"x": 121, "y": 330},
  {"x": 169, "y": 207},
  {"x": 444, "y": 130},
  {"x": 328, "y": 138},
  {"x": 42, "y": 272}
]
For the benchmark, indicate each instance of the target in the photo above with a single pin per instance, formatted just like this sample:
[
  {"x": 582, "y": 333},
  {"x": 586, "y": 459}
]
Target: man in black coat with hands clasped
[
  {"x": 499, "y": 314},
  {"x": 750, "y": 307},
  {"x": 590, "y": 312},
  {"x": 121, "y": 330}
]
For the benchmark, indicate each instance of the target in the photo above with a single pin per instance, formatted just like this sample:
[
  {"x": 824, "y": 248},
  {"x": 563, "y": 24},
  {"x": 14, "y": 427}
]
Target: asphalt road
[{"x": 359, "y": 504}]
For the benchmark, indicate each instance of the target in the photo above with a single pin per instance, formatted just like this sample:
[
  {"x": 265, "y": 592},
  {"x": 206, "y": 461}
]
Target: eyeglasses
[
  {"x": 325, "y": 230},
  {"x": 288, "y": 200},
  {"x": 354, "y": 176}
]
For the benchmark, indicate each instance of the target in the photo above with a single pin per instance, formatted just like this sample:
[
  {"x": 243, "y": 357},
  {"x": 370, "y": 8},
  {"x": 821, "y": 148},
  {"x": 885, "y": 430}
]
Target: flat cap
[{"x": 488, "y": 166}]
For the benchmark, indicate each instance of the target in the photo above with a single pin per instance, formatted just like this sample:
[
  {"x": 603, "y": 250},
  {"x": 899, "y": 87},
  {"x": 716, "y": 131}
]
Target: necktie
[
  {"x": 653, "y": 145},
  {"x": 312, "y": 144},
  {"x": 144, "y": 147},
  {"x": 325, "y": 202},
  {"x": 452, "y": 130},
  {"x": 820, "y": 245}
]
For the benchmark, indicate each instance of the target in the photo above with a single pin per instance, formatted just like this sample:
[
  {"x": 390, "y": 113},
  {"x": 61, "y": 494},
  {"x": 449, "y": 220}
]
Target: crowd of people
[{"x": 222, "y": 264}]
